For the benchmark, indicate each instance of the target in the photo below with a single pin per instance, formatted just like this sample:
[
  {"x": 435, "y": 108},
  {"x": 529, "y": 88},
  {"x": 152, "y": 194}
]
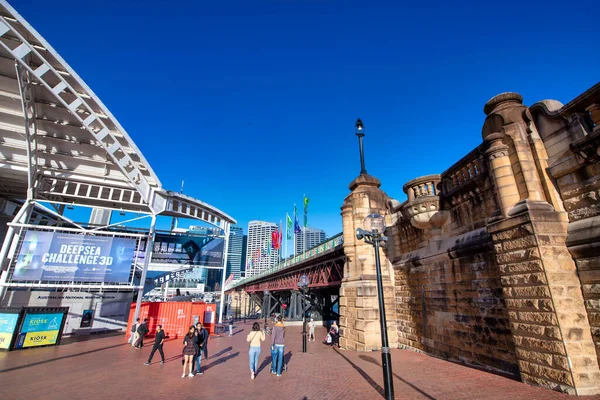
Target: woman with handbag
[
  {"x": 189, "y": 351},
  {"x": 254, "y": 337}
]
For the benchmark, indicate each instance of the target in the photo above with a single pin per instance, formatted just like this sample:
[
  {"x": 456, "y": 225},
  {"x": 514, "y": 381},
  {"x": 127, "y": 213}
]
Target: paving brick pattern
[{"x": 103, "y": 367}]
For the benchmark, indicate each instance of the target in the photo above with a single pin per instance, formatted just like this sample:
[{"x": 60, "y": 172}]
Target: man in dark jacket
[
  {"x": 142, "y": 330},
  {"x": 201, "y": 342},
  {"x": 158, "y": 345}
]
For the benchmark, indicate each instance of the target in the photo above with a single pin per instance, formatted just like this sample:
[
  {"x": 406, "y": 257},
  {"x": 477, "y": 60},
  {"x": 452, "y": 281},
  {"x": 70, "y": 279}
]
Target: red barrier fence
[{"x": 175, "y": 317}]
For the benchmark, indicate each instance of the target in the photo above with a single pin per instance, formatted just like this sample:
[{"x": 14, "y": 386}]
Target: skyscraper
[
  {"x": 260, "y": 255},
  {"x": 314, "y": 237},
  {"x": 236, "y": 254}
]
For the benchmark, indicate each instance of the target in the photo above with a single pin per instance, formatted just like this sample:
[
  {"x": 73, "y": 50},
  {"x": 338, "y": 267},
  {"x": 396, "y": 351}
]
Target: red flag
[{"x": 275, "y": 239}]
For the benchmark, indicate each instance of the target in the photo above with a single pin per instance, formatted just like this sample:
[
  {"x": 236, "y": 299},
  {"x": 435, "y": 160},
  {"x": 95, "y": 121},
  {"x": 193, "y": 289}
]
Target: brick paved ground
[{"x": 106, "y": 368}]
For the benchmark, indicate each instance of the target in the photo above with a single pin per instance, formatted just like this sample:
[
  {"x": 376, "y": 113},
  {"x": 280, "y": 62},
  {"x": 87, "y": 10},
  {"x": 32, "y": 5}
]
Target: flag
[
  {"x": 280, "y": 234},
  {"x": 297, "y": 228},
  {"x": 276, "y": 239},
  {"x": 306, "y": 200},
  {"x": 288, "y": 228}
]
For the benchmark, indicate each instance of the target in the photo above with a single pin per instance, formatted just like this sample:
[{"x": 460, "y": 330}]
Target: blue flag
[{"x": 297, "y": 228}]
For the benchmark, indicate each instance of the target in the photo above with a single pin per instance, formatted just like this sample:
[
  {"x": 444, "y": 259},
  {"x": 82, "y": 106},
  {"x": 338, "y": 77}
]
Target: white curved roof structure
[{"x": 59, "y": 143}]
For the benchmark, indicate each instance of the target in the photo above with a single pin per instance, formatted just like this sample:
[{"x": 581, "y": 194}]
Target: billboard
[
  {"x": 68, "y": 257},
  {"x": 203, "y": 251},
  {"x": 39, "y": 330},
  {"x": 8, "y": 322}
]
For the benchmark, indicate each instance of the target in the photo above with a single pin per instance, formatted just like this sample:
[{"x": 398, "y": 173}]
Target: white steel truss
[{"x": 78, "y": 106}]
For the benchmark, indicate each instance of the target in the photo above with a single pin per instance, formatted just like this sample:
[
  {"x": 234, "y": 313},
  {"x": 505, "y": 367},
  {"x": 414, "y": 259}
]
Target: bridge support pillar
[{"x": 358, "y": 304}]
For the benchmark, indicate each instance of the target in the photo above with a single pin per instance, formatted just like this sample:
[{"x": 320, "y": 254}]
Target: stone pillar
[
  {"x": 542, "y": 290},
  {"x": 502, "y": 173},
  {"x": 359, "y": 309},
  {"x": 546, "y": 309}
]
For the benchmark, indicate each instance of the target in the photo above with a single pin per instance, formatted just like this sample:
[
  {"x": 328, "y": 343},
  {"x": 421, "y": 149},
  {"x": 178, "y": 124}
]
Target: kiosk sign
[
  {"x": 39, "y": 330},
  {"x": 8, "y": 322}
]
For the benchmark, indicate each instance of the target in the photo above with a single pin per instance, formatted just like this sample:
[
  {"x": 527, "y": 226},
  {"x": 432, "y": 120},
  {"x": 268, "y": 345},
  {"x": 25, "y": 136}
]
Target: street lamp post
[
  {"x": 303, "y": 286},
  {"x": 266, "y": 293},
  {"x": 374, "y": 227}
]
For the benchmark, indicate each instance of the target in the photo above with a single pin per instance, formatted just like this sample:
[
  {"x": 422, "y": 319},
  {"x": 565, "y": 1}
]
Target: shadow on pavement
[
  {"x": 267, "y": 361},
  {"x": 227, "y": 350},
  {"x": 221, "y": 361},
  {"x": 287, "y": 358},
  {"x": 62, "y": 358},
  {"x": 374, "y": 361},
  {"x": 235, "y": 333},
  {"x": 362, "y": 373}
]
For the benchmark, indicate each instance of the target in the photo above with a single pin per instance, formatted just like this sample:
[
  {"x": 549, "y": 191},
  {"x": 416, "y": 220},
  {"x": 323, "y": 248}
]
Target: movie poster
[{"x": 67, "y": 257}]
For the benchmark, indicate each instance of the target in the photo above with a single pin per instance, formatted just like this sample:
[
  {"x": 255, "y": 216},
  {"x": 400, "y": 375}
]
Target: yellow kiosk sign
[{"x": 39, "y": 330}]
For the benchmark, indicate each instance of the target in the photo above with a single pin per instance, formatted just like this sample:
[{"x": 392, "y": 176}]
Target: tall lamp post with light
[
  {"x": 303, "y": 286},
  {"x": 374, "y": 227},
  {"x": 265, "y": 310}
]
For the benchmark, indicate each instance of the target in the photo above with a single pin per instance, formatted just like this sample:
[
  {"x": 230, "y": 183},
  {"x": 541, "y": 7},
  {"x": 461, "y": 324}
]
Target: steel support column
[
  {"x": 147, "y": 256},
  {"x": 225, "y": 251}
]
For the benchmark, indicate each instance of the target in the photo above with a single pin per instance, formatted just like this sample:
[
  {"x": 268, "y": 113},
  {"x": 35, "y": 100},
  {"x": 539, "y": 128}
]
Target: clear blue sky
[{"x": 253, "y": 103}]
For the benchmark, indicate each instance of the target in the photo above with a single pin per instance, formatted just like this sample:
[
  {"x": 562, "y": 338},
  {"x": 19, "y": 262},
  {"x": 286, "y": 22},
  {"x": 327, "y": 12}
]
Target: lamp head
[
  {"x": 359, "y": 128},
  {"x": 374, "y": 223},
  {"x": 303, "y": 281}
]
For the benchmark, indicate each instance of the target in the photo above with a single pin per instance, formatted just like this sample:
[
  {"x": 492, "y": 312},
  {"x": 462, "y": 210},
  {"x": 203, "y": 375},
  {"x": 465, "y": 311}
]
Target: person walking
[
  {"x": 231, "y": 326},
  {"x": 200, "y": 341},
  {"x": 311, "y": 330},
  {"x": 254, "y": 337},
  {"x": 189, "y": 350},
  {"x": 133, "y": 337},
  {"x": 277, "y": 346},
  {"x": 158, "y": 345},
  {"x": 141, "y": 331}
]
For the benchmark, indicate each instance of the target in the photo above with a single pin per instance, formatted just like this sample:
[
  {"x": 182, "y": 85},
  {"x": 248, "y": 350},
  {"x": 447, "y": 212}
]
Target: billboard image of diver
[
  {"x": 66, "y": 257},
  {"x": 193, "y": 250}
]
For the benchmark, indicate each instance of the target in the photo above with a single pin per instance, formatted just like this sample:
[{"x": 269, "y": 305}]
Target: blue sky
[{"x": 253, "y": 103}]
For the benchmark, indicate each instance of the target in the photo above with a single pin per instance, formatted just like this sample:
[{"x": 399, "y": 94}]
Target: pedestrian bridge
[{"x": 276, "y": 289}]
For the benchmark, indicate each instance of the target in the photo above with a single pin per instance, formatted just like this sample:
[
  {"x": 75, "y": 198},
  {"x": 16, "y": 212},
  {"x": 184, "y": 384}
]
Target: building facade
[
  {"x": 236, "y": 254},
  {"x": 259, "y": 253},
  {"x": 314, "y": 237}
]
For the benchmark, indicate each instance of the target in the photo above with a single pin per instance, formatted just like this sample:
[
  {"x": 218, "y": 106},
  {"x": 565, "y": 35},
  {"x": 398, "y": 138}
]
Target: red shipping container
[{"x": 175, "y": 317}]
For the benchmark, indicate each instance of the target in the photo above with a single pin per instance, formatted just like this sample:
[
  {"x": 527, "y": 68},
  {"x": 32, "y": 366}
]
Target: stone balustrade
[
  {"x": 423, "y": 205},
  {"x": 464, "y": 171},
  {"x": 422, "y": 186}
]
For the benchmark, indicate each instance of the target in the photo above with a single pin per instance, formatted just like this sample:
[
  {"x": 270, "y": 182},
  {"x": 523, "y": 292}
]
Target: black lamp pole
[
  {"x": 386, "y": 357},
  {"x": 374, "y": 235},
  {"x": 360, "y": 132},
  {"x": 303, "y": 286}
]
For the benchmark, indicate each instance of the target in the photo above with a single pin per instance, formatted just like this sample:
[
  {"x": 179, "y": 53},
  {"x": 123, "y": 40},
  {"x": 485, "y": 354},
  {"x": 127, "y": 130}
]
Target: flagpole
[
  {"x": 304, "y": 232},
  {"x": 295, "y": 212},
  {"x": 286, "y": 239}
]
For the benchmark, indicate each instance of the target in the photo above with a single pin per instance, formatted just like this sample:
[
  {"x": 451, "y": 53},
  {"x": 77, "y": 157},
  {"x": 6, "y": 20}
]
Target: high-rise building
[
  {"x": 259, "y": 253},
  {"x": 314, "y": 237},
  {"x": 236, "y": 253}
]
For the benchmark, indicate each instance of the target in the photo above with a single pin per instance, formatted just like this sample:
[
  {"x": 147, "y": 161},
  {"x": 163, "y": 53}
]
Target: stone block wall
[{"x": 450, "y": 304}]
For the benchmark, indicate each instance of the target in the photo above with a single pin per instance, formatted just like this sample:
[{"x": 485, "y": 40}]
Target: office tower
[
  {"x": 236, "y": 254},
  {"x": 314, "y": 237},
  {"x": 260, "y": 255}
]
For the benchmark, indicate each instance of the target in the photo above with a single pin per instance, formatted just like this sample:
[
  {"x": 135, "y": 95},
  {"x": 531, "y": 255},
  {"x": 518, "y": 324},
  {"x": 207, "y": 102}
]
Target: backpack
[{"x": 133, "y": 328}]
